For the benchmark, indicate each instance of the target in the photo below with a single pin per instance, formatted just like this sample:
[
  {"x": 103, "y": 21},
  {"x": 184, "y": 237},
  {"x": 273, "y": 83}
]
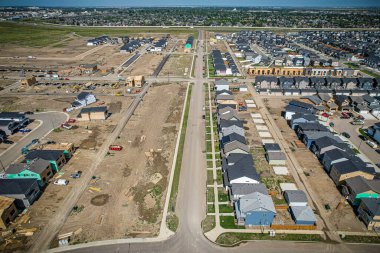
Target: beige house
[
  {"x": 8, "y": 211},
  {"x": 347, "y": 169},
  {"x": 135, "y": 81},
  {"x": 93, "y": 113}
]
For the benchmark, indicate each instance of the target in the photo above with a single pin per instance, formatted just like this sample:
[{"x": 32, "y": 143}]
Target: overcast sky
[{"x": 147, "y": 3}]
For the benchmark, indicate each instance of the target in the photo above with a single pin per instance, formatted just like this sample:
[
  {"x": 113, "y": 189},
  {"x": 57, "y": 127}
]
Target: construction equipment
[
  {"x": 115, "y": 147},
  {"x": 25, "y": 150}
]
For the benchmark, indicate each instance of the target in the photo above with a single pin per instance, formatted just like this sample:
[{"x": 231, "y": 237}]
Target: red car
[
  {"x": 71, "y": 121},
  {"x": 115, "y": 147}
]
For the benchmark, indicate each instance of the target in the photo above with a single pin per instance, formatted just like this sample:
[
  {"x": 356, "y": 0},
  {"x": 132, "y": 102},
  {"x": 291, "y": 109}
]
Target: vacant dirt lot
[
  {"x": 177, "y": 65},
  {"x": 66, "y": 48},
  {"x": 145, "y": 65},
  {"x": 341, "y": 215},
  {"x": 126, "y": 200}
]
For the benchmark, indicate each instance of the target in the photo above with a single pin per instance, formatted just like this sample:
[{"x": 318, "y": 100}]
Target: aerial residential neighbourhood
[{"x": 189, "y": 127}]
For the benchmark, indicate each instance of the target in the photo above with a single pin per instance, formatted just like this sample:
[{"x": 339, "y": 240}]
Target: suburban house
[
  {"x": 310, "y": 136},
  {"x": 223, "y": 92},
  {"x": 374, "y": 132},
  {"x": 290, "y": 110},
  {"x": 366, "y": 83},
  {"x": 68, "y": 148},
  {"x": 235, "y": 147},
  {"x": 286, "y": 82},
  {"x": 84, "y": 99},
  {"x": 227, "y": 127},
  {"x": 266, "y": 82},
  {"x": 8, "y": 211},
  {"x": 343, "y": 102},
  {"x": 302, "y": 118},
  {"x": 222, "y": 84},
  {"x": 295, "y": 198},
  {"x": 38, "y": 169},
  {"x": 303, "y": 215},
  {"x": 333, "y": 156},
  {"x": 324, "y": 144},
  {"x": 56, "y": 158},
  {"x": 228, "y": 115},
  {"x": 334, "y": 83},
  {"x": 369, "y": 213},
  {"x": 24, "y": 191},
  {"x": 349, "y": 83},
  {"x": 343, "y": 170},
  {"x": 236, "y": 191},
  {"x": 303, "y": 127},
  {"x": 302, "y": 82},
  {"x": 255, "y": 209},
  {"x": 231, "y": 138},
  {"x": 242, "y": 172},
  {"x": 9, "y": 127},
  {"x": 93, "y": 113},
  {"x": 88, "y": 68},
  {"x": 357, "y": 188},
  {"x": 19, "y": 117}
]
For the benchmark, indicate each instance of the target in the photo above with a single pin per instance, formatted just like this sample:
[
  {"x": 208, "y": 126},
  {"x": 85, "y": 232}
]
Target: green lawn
[
  {"x": 229, "y": 222},
  {"x": 219, "y": 177},
  {"x": 361, "y": 239},
  {"x": 41, "y": 35},
  {"x": 210, "y": 177},
  {"x": 208, "y": 146},
  {"x": 208, "y": 223},
  {"x": 210, "y": 195},
  {"x": 222, "y": 195},
  {"x": 226, "y": 209},
  {"x": 370, "y": 73},
  {"x": 211, "y": 208},
  {"x": 209, "y": 164},
  {"x": 230, "y": 239}
]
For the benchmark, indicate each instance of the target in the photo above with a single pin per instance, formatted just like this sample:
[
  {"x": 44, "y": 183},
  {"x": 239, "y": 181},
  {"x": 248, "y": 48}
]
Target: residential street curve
[{"x": 191, "y": 202}]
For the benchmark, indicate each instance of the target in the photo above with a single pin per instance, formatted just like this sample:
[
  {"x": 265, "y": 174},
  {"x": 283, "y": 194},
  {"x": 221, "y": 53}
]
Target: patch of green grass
[
  {"x": 364, "y": 133},
  {"x": 278, "y": 201},
  {"x": 211, "y": 208},
  {"x": 356, "y": 151},
  {"x": 41, "y": 35},
  {"x": 233, "y": 238},
  {"x": 208, "y": 223},
  {"x": 209, "y": 156},
  {"x": 209, "y": 164},
  {"x": 370, "y": 73},
  {"x": 208, "y": 146},
  {"x": 222, "y": 195},
  {"x": 172, "y": 221},
  {"x": 219, "y": 177},
  {"x": 210, "y": 195},
  {"x": 226, "y": 208},
  {"x": 178, "y": 164},
  {"x": 210, "y": 177},
  {"x": 229, "y": 222},
  {"x": 352, "y": 65},
  {"x": 360, "y": 239},
  {"x": 57, "y": 130}
]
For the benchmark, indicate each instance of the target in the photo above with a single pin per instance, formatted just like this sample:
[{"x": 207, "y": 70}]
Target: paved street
[
  {"x": 191, "y": 203},
  {"x": 49, "y": 121},
  {"x": 343, "y": 125}
]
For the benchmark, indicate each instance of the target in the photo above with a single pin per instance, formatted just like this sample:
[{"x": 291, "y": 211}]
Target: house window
[{"x": 13, "y": 212}]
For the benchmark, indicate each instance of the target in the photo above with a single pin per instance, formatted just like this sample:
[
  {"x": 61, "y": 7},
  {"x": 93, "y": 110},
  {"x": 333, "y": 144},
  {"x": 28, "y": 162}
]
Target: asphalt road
[
  {"x": 191, "y": 203},
  {"x": 343, "y": 125},
  {"x": 49, "y": 120}
]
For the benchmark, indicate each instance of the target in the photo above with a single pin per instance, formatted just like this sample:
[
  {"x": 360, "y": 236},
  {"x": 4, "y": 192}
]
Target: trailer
[{"x": 115, "y": 147}]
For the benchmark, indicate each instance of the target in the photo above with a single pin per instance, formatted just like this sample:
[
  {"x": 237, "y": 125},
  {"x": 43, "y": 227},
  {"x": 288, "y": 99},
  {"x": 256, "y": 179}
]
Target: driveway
[
  {"x": 343, "y": 125},
  {"x": 49, "y": 121}
]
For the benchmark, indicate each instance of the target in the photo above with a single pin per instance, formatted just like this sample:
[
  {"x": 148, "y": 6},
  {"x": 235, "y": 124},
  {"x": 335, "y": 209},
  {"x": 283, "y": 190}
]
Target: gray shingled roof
[
  {"x": 360, "y": 184},
  {"x": 50, "y": 155},
  {"x": 256, "y": 201},
  {"x": 276, "y": 156},
  {"x": 235, "y": 145},
  {"x": 244, "y": 189},
  {"x": 303, "y": 213},
  {"x": 94, "y": 109},
  {"x": 15, "y": 186},
  {"x": 296, "y": 196}
]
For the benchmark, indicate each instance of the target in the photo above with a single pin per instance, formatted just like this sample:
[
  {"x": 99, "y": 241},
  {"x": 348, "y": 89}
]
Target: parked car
[
  {"x": 362, "y": 137},
  {"x": 371, "y": 144},
  {"x": 50, "y": 142},
  {"x": 346, "y": 135},
  {"x": 24, "y": 130},
  {"x": 357, "y": 122},
  {"x": 345, "y": 115},
  {"x": 350, "y": 114},
  {"x": 71, "y": 120},
  {"x": 8, "y": 141},
  {"x": 61, "y": 182},
  {"x": 66, "y": 126},
  {"x": 29, "y": 112},
  {"x": 77, "y": 174}
]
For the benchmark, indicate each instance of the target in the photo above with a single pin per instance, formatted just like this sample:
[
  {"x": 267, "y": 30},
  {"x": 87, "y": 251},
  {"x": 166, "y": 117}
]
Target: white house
[
  {"x": 84, "y": 99},
  {"x": 222, "y": 85}
]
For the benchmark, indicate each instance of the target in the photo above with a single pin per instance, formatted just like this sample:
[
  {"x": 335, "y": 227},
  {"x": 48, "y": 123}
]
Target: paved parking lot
[{"x": 343, "y": 125}]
